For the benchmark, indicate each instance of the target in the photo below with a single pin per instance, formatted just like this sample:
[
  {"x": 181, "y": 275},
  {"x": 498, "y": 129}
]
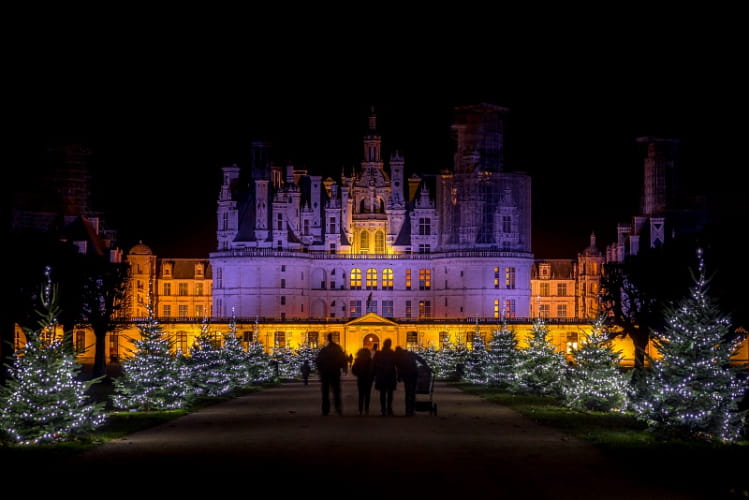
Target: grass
[
  {"x": 710, "y": 470},
  {"x": 118, "y": 424}
]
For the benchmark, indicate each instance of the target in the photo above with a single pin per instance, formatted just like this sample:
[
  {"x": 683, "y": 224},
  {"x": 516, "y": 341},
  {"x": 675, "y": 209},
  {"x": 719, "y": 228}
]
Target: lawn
[{"x": 715, "y": 471}]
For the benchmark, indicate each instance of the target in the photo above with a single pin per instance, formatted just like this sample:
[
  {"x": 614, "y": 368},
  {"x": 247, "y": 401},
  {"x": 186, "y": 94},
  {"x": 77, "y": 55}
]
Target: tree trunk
[
  {"x": 100, "y": 351},
  {"x": 640, "y": 340}
]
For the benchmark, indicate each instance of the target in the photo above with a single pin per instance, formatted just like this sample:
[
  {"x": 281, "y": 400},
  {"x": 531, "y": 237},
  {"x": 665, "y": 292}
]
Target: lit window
[
  {"x": 510, "y": 277},
  {"x": 408, "y": 279},
  {"x": 510, "y": 308},
  {"x": 412, "y": 340},
  {"x": 387, "y": 279},
  {"x": 562, "y": 311},
  {"x": 425, "y": 279},
  {"x": 180, "y": 342},
  {"x": 182, "y": 289},
  {"x": 371, "y": 279},
  {"x": 543, "y": 310},
  {"x": 355, "y": 308},
  {"x": 355, "y": 279},
  {"x": 364, "y": 242},
  {"x": 379, "y": 242},
  {"x": 425, "y": 308},
  {"x": 279, "y": 339}
]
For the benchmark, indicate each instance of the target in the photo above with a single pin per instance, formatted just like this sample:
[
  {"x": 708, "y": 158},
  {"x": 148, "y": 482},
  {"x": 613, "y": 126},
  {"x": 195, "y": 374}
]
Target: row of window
[
  {"x": 544, "y": 289},
  {"x": 183, "y": 311},
  {"x": 371, "y": 280},
  {"x": 182, "y": 289}
]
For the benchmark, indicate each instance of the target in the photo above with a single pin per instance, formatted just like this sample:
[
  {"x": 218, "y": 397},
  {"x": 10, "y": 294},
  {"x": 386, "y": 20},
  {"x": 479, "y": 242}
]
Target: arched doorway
[{"x": 371, "y": 341}]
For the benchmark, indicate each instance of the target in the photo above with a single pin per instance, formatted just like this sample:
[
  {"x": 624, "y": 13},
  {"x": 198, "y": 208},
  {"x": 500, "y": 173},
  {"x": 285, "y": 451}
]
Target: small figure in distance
[
  {"x": 386, "y": 376},
  {"x": 331, "y": 361},
  {"x": 305, "y": 369},
  {"x": 363, "y": 369},
  {"x": 408, "y": 373}
]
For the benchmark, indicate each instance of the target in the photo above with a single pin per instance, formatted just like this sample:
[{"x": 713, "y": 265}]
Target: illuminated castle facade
[{"x": 456, "y": 244}]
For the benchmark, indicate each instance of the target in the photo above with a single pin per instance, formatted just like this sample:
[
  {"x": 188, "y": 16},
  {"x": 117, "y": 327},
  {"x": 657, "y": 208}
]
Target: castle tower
[{"x": 660, "y": 188}]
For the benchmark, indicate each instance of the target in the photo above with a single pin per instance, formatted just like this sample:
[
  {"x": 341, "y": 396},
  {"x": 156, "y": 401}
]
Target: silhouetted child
[{"x": 305, "y": 369}]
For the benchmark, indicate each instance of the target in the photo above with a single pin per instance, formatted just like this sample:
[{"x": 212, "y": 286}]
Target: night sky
[{"x": 162, "y": 119}]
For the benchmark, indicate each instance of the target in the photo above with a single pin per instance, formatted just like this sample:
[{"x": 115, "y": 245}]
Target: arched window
[
  {"x": 387, "y": 279},
  {"x": 379, "y": 242},
  {"x": 371, "y": 279},
  {"x": 364, "y": 242},
  {"x": 355, "y": 279}
]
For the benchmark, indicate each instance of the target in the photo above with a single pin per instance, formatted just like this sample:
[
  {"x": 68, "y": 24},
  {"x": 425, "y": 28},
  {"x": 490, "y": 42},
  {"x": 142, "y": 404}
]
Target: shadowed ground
[{"x": 276, "y": 440}]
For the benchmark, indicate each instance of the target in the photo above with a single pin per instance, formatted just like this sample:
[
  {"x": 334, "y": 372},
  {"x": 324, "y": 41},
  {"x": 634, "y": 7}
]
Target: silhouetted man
[
  {"x": 386, "y": 376},
  {"x": 331, "y": 360},
  {"x": 408, "y": 373}
]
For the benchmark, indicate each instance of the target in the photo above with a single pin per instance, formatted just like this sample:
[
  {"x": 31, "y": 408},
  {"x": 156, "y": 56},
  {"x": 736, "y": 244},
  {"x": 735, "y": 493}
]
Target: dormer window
[{"x": 544, "y": 271}]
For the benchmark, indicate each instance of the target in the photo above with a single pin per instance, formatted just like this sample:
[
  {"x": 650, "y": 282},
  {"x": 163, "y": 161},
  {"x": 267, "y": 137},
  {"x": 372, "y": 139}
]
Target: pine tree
[
  {"x": 476, "y": 360},
  {"x": 45, "y": 399},
  {"x": 152, "y": 377},
  {"x": 541, "y": 367},
  {"x": 431, "y": 356},
  {"x": 306, "y": 353},
  {"x": 692, "y": 390},
  {"x": 594, "y": 380},
  {"x": 285, "y": 364},
  {"x": 503, "y": 359},
  {"x": 259, "y": 367},
  {"x": 210, "y": 374},
  {"x": 235, "y": 356}
]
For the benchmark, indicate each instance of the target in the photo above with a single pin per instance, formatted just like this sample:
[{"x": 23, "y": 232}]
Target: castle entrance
[{"x": 371, "y": 342}]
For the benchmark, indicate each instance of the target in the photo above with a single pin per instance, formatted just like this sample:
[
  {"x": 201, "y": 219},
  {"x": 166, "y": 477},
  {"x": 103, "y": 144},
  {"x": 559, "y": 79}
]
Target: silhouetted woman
[
  {"x": 386, "y": 376},
  {"x": 363, "y": 368}
]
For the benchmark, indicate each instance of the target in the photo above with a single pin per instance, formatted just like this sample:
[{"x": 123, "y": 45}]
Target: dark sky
[{"x": 163, "y": 118}]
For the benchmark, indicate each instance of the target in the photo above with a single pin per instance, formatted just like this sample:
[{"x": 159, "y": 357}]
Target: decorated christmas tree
[
  {"x": 45, "y": 399},
  {"x": 306, "y": 353},
  {"x": 476, "y": 360},
  {"x": 259, "y": 366},
  {"x": 541, "y": 367},
  {"x": 285, "y": 363},
  {"x": 594, "y": 380},
  {"x": 431, "y": 356},
  {"x": 503, "y": 359},
  {"x": 235, "y": 357},
  {"x": 210, "y": 374},
  {"x": 693, "y": 391},
  {"x": 152, "y": 377}
]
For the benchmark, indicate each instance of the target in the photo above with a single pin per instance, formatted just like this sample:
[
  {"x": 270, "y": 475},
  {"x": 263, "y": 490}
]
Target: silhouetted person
[
  {"x": 363, "y": 368},
  {"x": 305, "y": 369},
  {"x": 407, "y": 363},
  {"x": 350, "y": 361},
  {"x": 386, "y": 376},
  {"x": 331, "y": 360}
]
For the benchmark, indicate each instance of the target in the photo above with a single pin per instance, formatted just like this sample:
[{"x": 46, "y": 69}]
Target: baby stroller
[{"x": 425, "y": 389}]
